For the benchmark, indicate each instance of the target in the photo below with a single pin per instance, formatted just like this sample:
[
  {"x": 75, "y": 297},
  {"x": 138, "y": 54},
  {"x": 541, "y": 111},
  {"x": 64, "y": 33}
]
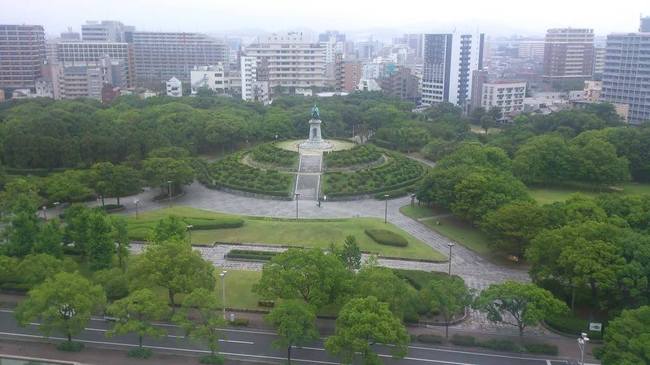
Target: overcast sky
[{"x": 496, "y": 17}]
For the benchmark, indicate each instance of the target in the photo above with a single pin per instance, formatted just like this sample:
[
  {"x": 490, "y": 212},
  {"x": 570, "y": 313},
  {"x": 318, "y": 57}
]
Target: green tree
[
  {"x": 114, "y": 281},
  {"x": 201, "y": 319},
  {"x": 350, "y": 254},
  {"x": 487, "y": 122},
  {"x": 121, "y": 237},
  {"x": 159, "y": 170},
  {"x": 35, "y": 268},
  {"x": 482, "y": 192},
  {"x": 172, "y": 265},
  {"x": 19, "y": 194},
  {"x": 362, "y": 323},
  {"x": 63, "y": 303},
  {"x": 448, "y": 296},
  {"x": 597, "y": 162},
  {"x": 307, "y": 274},
  {"x": 518, "y": 304},
  {"x": 512, "y": 226},
  {"x": 543, "y": 159},
  {"x": 627, "y": 339},
  {"x": 295, "y": 323},
  {"x": 383, "y": 284},
  {"x": 22, "y": 232},
  {"x": 68, "y": 186},
  {"x": 100, "y": 245},
  {"x": 49, "y": 239},
  {"x": 170, "y": 228},
  {"x": 136, "y": 314},
  {"x": 114, "y": 180}
]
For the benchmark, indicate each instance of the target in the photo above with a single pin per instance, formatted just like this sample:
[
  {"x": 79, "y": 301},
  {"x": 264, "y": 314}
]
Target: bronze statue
[{"x": 314, "y": 112}]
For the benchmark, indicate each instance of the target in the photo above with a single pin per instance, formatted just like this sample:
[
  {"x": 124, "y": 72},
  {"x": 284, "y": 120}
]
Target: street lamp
[
  {"x": 297, "y": 196},
  {"x": 386, "y": 196},
  {"x": 189, "y": 231},
  {"x": 136, "y": 202},
  {"x": 450, "y": 244},
  {"x": 169, "y": 189},
  {"x": 44, "y": 212},
  {"x": 582, "y": 343},
  {"x": 223, "y": 292}
]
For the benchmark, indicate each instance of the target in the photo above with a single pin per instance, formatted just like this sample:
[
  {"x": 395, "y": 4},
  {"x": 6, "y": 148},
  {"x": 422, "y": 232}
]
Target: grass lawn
[
  {"x": 416, "y": 211},
  {"x": 304, "y": 233},
  {"x": 547, "y": 195},
  {"x": 239, "y": 289}
]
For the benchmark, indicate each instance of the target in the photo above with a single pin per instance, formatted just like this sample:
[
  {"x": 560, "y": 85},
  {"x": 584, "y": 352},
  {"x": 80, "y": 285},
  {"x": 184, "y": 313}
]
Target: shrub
[
  {"x": 460, "y": 340},
  {"x": 70, "y": 346},
  {"x": 270, "y": 154},
  {"x": 267, "y": 303},
  {"x": 140, "y": 353},
  {"x": 114, "y": 282},
  {"x": 230, "y": 173},
  {"x": 501, "y": 345},
  {"x": 109, "y": 207},
  {"x": 214, "y": 223},
  {"x": 251, "y": 255},
  {"x": 541, "y": 348},
  {"x": 386, "y": 237},
  {"x": 572, "y": 325},
  {"x": 239, "y": 322},
  {"x": 213, "y": 360},
  {"x": 362, "y": 154},
  {"x": 430, "y": 339}
]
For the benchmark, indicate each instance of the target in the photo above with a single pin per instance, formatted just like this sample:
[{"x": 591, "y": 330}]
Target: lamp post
[
  {"x": 44, "y": 208},
  {"x": 386, "y": 196},
  {"x": 169, "y": 189},
  {"x": 297, "y": 196},
  {"x": 582, "y": 343},
  {"x": 450, "y": 244},
  {"x": 223, "y": 292},
  {"x": 136, "y": 202},
  {"x": 189, "y": 231}
]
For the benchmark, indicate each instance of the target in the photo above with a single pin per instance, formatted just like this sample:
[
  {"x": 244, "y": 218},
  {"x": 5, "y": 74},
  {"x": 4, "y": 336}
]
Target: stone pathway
[{"x": 309, "y": 175}]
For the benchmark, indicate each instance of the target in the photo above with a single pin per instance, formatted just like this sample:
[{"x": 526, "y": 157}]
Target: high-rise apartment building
[
  {"x": 159, "y": 56},
  {"x": 599, "y": 61},
  {"x": 92, "y": 53},
  {"x": 254, "y": 79},
  {"x": 104, "y": 31},
  {"x": 401, "y": 83},
  {"x": 645, "y": 25},
  {"x": 568, "y": 54},
  {"x": 291, "y": 61},
  {"x": 449, "y": 60},
  {"x": 22, "y": 53},
  {"x": 626, "y": 75},
  {"x": 352, "y": 72}
]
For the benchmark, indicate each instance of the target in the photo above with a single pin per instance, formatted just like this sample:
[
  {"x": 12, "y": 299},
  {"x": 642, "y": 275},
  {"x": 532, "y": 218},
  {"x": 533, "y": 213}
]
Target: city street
[{"x": 250, "y": 344}]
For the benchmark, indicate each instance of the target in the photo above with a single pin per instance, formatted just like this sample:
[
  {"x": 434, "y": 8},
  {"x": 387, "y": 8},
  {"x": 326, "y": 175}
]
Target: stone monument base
[{"x": 321, "y": 145}]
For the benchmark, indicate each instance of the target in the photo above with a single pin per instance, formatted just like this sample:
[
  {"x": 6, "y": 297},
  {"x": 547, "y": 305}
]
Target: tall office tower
[
  {"x": 568, "y": 54},
  {"x": 626, "y": 76},
  {"x": 449, "y": 60},
  {"x": 22, "y": 53},
  {"x": 159, "y": 56},
  {"x": 91, "y": 53},
  {"x": 291, "y": 60},
  {"x": 599, "y": 61},
  {"x": 644, "y": 27},
  {"x": 414, "y": 42},
  {"x": 104, "y": 31}
]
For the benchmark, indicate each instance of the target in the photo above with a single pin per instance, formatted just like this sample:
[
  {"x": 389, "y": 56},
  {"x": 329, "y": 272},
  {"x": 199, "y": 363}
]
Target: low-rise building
[
  {"x": 214, "y": 78},
  {"x": 174, "y": 88},
  {"x": 505, "y": 95}
]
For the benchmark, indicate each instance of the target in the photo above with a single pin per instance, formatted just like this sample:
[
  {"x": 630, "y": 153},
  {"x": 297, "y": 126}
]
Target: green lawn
[
  {"x": 546, "y": 195},
  {"x": 303, "y": 233},
  {"x": 239, "y": 289},
  {"x": 416, "y": 211}
]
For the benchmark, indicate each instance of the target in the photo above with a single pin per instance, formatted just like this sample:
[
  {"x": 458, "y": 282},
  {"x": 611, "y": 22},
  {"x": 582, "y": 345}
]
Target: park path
[{"x": 308, "y": 176}]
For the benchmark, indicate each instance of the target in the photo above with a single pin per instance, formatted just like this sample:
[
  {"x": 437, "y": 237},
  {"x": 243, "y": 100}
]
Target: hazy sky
[{"x": 496, "y": 17}]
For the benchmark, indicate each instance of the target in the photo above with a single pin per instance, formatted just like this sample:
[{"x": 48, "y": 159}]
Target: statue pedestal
[{"x": 315, "y": 141}]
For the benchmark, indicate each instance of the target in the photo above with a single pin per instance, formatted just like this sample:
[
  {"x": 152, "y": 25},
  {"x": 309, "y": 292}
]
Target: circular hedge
[
  {"x": 359, "y": 155},
  {"x": 397, "y": 175},
  {"x": 229, "y": 172},
  {"x": 269, "y": 153}
]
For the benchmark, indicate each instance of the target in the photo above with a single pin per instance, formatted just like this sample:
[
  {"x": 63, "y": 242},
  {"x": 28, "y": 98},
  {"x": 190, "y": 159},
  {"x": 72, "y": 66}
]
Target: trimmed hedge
[
  {"x": 199, "y": 224},
  {"x": 239, "y": 322},
  {"x": 398, "y": 173},
  {"x": 268, "y": 153},
  {"x": 430, "y": 339},
  {"x": 572, "y": 325},
  {"x": 359, "y": 155},
  {"x": 505, "y": 345},
  {"x": 267, "y": 303},
  {"x": 230, "y": 173},
  {"x": 386, "y": 237},
  {"x": 251, "y": 255}
]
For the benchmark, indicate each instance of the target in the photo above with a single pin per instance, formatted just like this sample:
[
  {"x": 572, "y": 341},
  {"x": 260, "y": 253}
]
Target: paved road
[{"x": 256, "y": 345}]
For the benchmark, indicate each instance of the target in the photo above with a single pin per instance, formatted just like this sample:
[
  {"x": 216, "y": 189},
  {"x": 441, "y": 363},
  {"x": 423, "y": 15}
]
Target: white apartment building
[
  {"x": 174, "y": 88},
  {"x": 213, "y": 77},
  {"x": 505, "y": 95},
  {"x": 289, "y": 60},
  {"x": 449, "y": 60},
  {"x": 254, "y": 85}
]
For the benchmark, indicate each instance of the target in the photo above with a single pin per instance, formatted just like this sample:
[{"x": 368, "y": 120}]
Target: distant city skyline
[{"x": 360, "y": 18}]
